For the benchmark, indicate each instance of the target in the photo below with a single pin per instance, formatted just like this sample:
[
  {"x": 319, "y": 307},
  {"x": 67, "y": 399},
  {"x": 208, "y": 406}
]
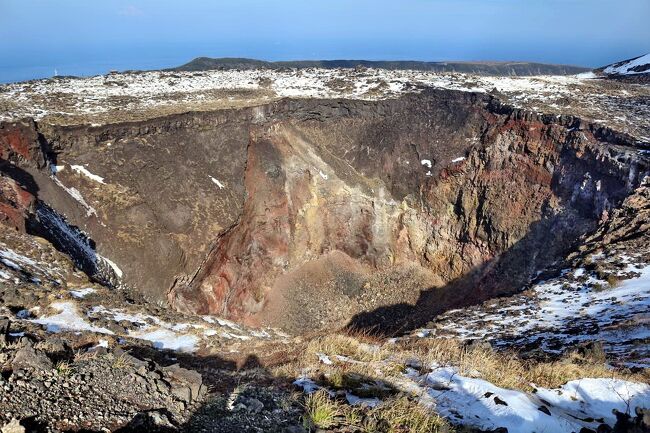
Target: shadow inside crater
[{"x": 546, "y": 243}]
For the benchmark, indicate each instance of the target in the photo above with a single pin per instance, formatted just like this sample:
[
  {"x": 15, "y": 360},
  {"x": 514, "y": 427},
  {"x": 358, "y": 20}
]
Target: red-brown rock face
[
  {"x": 18, "y": 145},
  {"x": 19, "y": 142},
  {"x": 247, "y": 254},
  {"x": 15, "y": 204}
]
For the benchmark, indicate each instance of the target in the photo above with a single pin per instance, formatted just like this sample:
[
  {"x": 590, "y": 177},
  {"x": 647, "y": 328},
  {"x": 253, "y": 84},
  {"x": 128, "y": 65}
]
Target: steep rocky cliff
[{"x": 303, "y": 213}]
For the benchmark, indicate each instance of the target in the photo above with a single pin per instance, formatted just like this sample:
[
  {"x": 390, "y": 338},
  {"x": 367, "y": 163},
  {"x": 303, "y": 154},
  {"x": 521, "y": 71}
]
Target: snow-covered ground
[
  {"x": 17, "y": 268},
  {"x": 557, "y": 314},
  {"x": 126, "y": 96},
  {"x": 583, "y": 403},
  {"x": 470, "y": 400},
  {"x": 186, "y": 336},
  {"x": 150, "y": 89},
  {"x": 639, "y": 65}
]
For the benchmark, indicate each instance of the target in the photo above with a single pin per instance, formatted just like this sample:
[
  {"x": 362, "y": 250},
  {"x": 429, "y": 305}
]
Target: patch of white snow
[
  {"x": 84, "y": 171},
  {"x": 68, "y": 319},
  {"x": 217, "y": 182},
  {"x": 82, "y": 293}
]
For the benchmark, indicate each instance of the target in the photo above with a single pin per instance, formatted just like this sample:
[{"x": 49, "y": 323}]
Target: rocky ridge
[
  {"x": 480, "y": 68},
  {"x": 123, "y": 97},
  {"x": 635, "y": 70}
]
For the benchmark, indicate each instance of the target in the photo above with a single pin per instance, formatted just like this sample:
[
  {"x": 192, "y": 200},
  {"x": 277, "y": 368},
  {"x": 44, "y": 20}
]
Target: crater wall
[{"x": 304, "y": 213}]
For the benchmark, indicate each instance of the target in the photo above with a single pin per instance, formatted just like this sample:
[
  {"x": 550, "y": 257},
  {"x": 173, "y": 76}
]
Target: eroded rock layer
[{"x": 303, "y": 213}]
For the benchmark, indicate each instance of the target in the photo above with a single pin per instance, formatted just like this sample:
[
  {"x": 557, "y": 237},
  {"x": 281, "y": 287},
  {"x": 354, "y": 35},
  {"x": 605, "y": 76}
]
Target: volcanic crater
[{"x": 306, "y": 214}]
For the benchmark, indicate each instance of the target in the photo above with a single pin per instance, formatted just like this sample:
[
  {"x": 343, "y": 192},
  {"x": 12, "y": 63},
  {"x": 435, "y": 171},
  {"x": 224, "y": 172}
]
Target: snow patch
[
  {"x": 68, "y": 319},
  {"x": 573, "y": 406},
  {"x": 626, "y": 67},
  {"x": 166, "y": 339},
  {"x": 551, "y": 311},
  {"x": 54, "y": 169},
  {"x": 8, "y": 263},
  {"x": 82, "y": 293},
  {"x": 359, "y": 401},
  {"x": 587, "y": 75},
  {"x": 84, "y": 171},
  {"x": 112, "y": 264},
  {"x": 216, "y": 182},
  {"x": 75, "y": 194},
  {"x": 12, "y": 256},
  {"x": 307, "y": 385},
  {"x": 324, "y": 359}
]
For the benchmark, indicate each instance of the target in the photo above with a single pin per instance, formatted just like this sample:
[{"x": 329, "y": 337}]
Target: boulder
[
  {"x": 12, "y": 426},
  {"x": 29, "y": 358},
  {"x": 186, "y": 385}
]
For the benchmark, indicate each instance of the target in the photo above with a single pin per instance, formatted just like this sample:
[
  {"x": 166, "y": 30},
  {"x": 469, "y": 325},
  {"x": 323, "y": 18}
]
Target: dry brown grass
[
  {"x": 121, "y": 361},
  {"x": 375, "y": 369},
  {"x": 507, "y": 370},
  {"x": 321, "y": 411},
  {"x": 64, "y": 368},
  {"x": 613, "y": 280},
  {"x": 345, "y": 345},
  {"x": 576, "y": 366},
  {"x": 504, "y": 369},
  {"x": 85, "y": 355},
  {"x": 399, "y": 414}
]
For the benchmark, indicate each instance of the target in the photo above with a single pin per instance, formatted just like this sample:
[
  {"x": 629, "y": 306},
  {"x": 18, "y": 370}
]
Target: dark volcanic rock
[
  {"x": 185, "y": 384},
  {"x": 28, "y": 357}
]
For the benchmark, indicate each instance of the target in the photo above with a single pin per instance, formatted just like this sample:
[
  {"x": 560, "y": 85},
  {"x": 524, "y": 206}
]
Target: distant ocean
[{"x": 9, "y": 73}]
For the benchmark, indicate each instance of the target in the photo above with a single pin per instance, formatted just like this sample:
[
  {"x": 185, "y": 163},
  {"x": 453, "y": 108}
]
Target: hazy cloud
[{"x": 130, "y": 11}]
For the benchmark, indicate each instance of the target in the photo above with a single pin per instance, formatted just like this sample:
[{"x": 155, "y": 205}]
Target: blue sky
[{"x": 84, "y": 37}]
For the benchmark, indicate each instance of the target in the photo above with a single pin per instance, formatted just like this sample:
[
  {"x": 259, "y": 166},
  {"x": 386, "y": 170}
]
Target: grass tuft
[
  {"x": 320, "y": 411},
  {"x": 84, "y": 355},
  {"x": 345, "y": 345},
  {"x": 613, "y": 280},
  {"x": 401, "y": 414},
  {"x": 121, "y": 361},
  {"x": 64, "y": 369}
]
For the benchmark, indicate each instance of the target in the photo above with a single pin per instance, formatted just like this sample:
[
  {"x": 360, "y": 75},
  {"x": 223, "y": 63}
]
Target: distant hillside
[
  {"x": 636, "y": 70},
  {"x": 481, "y": 68}
]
